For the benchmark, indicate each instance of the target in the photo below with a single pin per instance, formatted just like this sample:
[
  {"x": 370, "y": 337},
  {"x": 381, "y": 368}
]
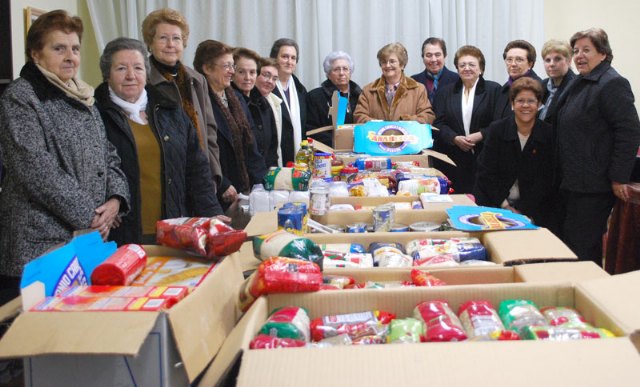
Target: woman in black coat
[
  {"x": 515, "y": 169},
  {"x": 598, "y": 137},
  {"x": 167, "y": 171},
  {"x": 242, "y": 164},
  {"x": 461, "y": 129},
  {"x": 338, "y": 66}
]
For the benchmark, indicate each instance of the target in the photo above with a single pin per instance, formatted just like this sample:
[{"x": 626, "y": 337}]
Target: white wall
[
  {"x": 619, "y": 18},
  {"x": 89, "y": 71}
]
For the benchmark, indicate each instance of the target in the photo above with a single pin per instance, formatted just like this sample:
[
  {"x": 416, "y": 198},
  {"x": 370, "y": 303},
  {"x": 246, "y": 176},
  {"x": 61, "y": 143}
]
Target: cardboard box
[
  {"x": 432, "y": 212},
  {"x": 602, "y": 302},
  {"x": 129, "y": 348}
]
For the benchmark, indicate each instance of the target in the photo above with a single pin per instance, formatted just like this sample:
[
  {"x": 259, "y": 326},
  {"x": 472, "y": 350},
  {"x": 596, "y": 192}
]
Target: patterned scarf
[
  {"x": 178, "y": 75},
  {"x": 75, "y": 88},
  {"x": 240, "y": 132}
]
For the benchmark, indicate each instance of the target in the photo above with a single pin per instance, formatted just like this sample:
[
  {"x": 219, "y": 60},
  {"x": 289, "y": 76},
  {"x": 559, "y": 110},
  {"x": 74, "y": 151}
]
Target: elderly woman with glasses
[
  {"x": 242, "y": 164},
  {"x": 519, "y": 57},
  {"x": 515, "y": 168},
  {"x": 394, "y": 96},
  {"x": 464, "y": 110},
  {"x": 338, "y": 66},
  {"x": 166, "y": 32}
]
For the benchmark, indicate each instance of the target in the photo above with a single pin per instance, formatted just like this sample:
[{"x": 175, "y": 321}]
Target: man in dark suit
[{"x": 435, "y": 74}]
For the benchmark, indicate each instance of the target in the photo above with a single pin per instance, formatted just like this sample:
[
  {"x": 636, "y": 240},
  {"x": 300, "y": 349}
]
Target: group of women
[{"x": 161, "y": 139}]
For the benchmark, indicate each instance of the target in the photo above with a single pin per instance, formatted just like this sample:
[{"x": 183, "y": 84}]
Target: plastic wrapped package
[
  {"x": 280, "y": 275},
  {"x": 374, "y": 188},
  {"x": 563, "y": 316},
  {"x": 288, "y": 322},
  {"x": 480, "y": 320},
  {"x": 338, "y": 189},
  {"x": 121, "y": 268},
  {"x": 277, "y": 198},
  {"x": 284, "y": 244},
  {"x": 461, "y": 249},
  {"x": 441, "y": 324},
  {"x": 272, "y": 342},
  {"x": 369, "y": 327},
  {"x": 339, "y": 281},
  {"x": 518, "y": 314},
  {"x": 405, "y": 331},
  {"x": 299, "y": 197},
  {"x": 288, "y": 179},
  {"x": 347, "y": 260},
  {"x": 259, "y": 200},
  {"x": 564, "y": 333},
  {"x": 419, "y": 185},
  {"x": 422, "y": 278},
  {"x": 372, "y": 163},
  {"x": 389, "y": 255}
]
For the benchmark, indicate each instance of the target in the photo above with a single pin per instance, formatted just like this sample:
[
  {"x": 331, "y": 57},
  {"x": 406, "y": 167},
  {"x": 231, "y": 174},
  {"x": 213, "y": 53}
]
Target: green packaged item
[
  {"x": 518, "y": 314},
  {"x": 284, "y": 244},
  {"x": 405, "y": 330},
  {"x": 287, "y": 179},
  {"x": 564, "y": 333},
  {"x": 288, "y": 322}
]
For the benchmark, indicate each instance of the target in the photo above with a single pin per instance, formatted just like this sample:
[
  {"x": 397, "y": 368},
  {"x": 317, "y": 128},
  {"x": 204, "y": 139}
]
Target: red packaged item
[
  {"x": 441, "y": 323},
  {"x": 422, "y": 278},
  {"x": 280, "y": 275},
  {"x": 121, "y": 268},
  {"x": 208, "y": 237},
  {"x": 184, "y": 233},
  {"x": 338, "y": 281},
  {"x": 269, "y": 342},
  {"x": 363, "y": 327},
  {"x": 480, "y": 320}
]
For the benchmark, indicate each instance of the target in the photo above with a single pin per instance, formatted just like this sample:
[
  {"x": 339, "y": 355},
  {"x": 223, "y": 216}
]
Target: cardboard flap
[
  {"x": 526, "y": 246},
  {"x": 319, "y": 130},
  {"x": 611, "y": 362},
  {"x": 212, "y": 312},
  {"x": 40, "y": 333},
  {"x": 559, "y": 271},
  {"x": 10, "y": 309},
  {"x": 617, "y": 295},
  {"x": 262, "y": 223},
  {"x": 439, "y": 156},
  {"x": 236, "y": 343}
]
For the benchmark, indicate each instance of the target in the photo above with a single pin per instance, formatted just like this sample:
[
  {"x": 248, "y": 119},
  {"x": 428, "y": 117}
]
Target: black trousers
[{"x": 584, "y": 221}]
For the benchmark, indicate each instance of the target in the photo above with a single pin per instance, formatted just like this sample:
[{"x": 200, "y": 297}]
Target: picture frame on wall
[{"x": 30, "y": 15}]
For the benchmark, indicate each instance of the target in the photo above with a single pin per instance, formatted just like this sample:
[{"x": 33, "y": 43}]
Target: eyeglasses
[
  {"x": 391, "y": 62},
  {"x": 340, "y": 69},
  {"x": 226, "y": 66},
  {"x": 269, "y": 77},
  {"x": 164, "y": 39},
  {"x": 518, "y": 60},
  {"x": 470, "y": 65},
  {"x": 522, "y": 102}
]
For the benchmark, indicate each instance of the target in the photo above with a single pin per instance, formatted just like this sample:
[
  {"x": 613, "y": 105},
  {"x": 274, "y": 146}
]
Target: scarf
[
  {"x": 132, "y": 109},
  {"x": 178, "y": 75},
  {"x": 240, "y": 133},
  {"x": 276, "y": 106},
  {"x": 552, "y": 92},
  {"x": 75, "y": 88},
  {"x": 293, "y": 107}
]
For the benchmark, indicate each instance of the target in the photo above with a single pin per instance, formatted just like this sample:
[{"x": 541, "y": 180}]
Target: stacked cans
[
  {"x": 383, "y": 217},
  {"x": 292, "y": 217}
]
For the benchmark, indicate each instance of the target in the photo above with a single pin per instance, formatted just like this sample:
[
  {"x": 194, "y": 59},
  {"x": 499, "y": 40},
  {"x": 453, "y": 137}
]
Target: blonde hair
[{"x": 164, "y": 15}]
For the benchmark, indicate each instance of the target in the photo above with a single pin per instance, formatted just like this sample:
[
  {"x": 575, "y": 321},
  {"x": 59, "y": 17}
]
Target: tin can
[
  {"x": 397, "y": 227},
  {"x": 290, "y": 219},
  {"x": 424, "y": 226},
  {"x": 337, "y": 227},
  {"x": 322, "y": 165},
  {"x": 357, "y": 228},
  {"x": 383, "y": 217},
  {"x": 305, "y": 214}
]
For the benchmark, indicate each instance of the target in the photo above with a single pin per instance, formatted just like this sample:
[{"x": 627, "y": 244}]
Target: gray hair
[
  {"x": 334, "y": 56},
  {"x": 119, "y": 44}
]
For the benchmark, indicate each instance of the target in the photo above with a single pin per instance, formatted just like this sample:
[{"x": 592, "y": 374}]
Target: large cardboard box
[
  {"x": 603, "y": 301},
  {"x": 129, "y": 348}
]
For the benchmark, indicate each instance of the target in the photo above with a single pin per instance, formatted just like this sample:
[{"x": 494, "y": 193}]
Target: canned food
[
  {"x": 305, "y": 215},
  {"x": 357, "y": 228},
  {"x": 322, "y": 165},
  {"x": 424, "y": 226},
  {"x": 383, "y": 217},
  {"x": 397, "y": 227},
  {"x": 290, "y": 219},
  {"x": 337, "y": 227}
]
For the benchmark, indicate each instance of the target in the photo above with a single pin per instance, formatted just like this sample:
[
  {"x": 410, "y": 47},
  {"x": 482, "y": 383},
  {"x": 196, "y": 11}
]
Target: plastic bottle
[{"x": 303, "y": 156}]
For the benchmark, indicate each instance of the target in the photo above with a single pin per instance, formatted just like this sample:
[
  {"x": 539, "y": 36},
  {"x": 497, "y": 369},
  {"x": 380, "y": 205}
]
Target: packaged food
[
  {"x": 518, "y": 314},
  {"x": 280, "y": 275},
  {"x": 563, "y": 333},
  {"x": 121, "y": 267},
  {"x": 418, "y": 185},
  {"x": 372, "y": 163},
  {"x": 441, "y": 324},
  {"x": 347, "y": 260},
  {"x": 461, "y": 249},
  {"x": 288, "y": 179},
  {"x": 171, "y": 293},
  {"x": 369, "y": 327},
  {"x": 173, "y": 271},
  {"x": 284, "y": 244},
  {"x": 405, "y": 331},
  {"x": 288, "y": 322},
  {"x": 102, "y": 304},
  {"x": 383, "y": 217},
  {"x": 480, "y": 320},
  {"x": 319, "y": 199},
  {"x": 339, "y": 281},
  {"x": 389, "y": 255},
  {"x": 422, "y": 278},
  {"x": 563, "y": 316},
  {"x": 270, "y": 342},
  {"x": 291, "y": 219}
]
